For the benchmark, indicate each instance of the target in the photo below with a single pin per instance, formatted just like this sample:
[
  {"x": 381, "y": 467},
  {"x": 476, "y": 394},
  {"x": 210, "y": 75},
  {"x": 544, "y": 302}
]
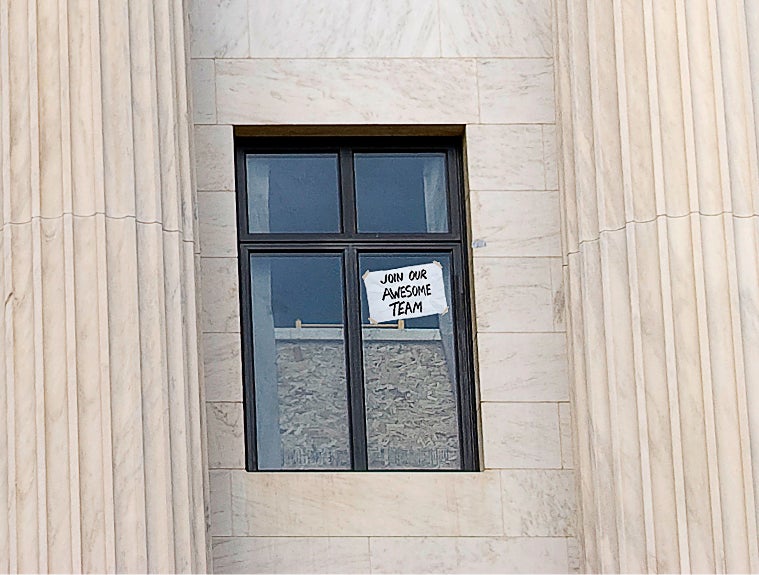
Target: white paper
[{"x": 404, "y": 293}]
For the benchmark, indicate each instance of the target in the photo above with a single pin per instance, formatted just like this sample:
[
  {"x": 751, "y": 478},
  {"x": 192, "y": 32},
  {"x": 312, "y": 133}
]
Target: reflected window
[
  {"x": 327, "y": 385},
  {"x": 401, "y": 193},
  {"x": 293, "y": 193}
]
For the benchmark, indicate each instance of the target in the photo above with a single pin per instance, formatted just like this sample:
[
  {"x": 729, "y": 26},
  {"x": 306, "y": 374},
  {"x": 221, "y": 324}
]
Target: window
[{"x": 326, "y": 386}]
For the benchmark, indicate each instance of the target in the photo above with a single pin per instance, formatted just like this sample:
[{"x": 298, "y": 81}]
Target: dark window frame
[{"x": 349, "y": 243}]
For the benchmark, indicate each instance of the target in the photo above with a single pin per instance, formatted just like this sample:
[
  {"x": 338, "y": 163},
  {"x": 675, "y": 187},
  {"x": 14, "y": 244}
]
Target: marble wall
[
  {"x": 658, "y": 136},
  {"x": 102, "y": 465},
  {"x": 485, "y": 65}
]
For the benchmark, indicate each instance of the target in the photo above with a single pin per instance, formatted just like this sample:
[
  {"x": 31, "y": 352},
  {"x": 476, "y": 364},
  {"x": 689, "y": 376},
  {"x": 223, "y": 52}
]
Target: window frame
[{"x": 349, "y": 243}]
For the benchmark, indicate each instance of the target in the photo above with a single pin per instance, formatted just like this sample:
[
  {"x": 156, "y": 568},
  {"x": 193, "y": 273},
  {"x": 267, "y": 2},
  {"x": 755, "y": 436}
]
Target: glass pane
[
  {"x": 401, "y": 193},
  {"x": 299, "y": 362},
  {"x": 410, "y": 380},
  {"x": 293, "y": 193}
]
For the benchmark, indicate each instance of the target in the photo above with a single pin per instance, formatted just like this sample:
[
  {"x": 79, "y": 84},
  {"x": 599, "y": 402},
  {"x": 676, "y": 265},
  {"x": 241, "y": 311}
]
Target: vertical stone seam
[
  {"x": 606, "y": 402},
  {"x": 665, "y": 283},
  {"x": 700, "y": 292},
  {"x": 633, "y": 275},
  {"x": 175, "y": 304},
  {"x": 722, "y": 495},
  {"x": 642, "y": 489},
  {"x": 37, "y": 303},
  {"x": 10, "y": 543},
  {"x": 606, "y": 535},
  {"x": 170, "y": 248},
  {"x": 98, "y": 187},
  {"x": 146, "y": 115},
  {"x": 151, "y": 281},
  {"x": 750, "y": 278},
  {"x": 733, "y": 291},
  {"x": 589, "y": 483},
  {"x": 580, "y": 140},
  {"x": 564, "y": 134},
  {"x": 748, "y": 110},
  {"x": 69, "y": 298},
  {"x": 130, "y": 520},
  {"x": 191, "y": 294},
  {"x": 170, "y": 192}
]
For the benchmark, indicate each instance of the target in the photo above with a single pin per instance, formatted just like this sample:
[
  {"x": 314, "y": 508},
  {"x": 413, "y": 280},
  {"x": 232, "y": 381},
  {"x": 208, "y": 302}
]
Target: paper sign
[{"x": 403, "y": 293}]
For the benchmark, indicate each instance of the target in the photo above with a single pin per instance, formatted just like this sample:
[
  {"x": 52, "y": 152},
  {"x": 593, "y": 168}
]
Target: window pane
[
  {"x": 410, "y": 381},
  {"x": 397, "y": 193},
  {"x": 299, "y": 362},
  {"x": 293, "y": 193}
]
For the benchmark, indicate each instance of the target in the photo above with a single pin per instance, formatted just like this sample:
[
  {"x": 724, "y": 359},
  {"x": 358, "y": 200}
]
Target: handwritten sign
[{"x": 403, "y": 293}]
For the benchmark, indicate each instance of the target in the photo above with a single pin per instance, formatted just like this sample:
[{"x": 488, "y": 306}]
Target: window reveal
[{"x": 326, "y": 386}]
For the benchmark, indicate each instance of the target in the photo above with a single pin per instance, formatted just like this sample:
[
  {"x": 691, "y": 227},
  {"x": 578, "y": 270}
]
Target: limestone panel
[
  {"x": 468, "y": 555},
  {"x": 549, "y": 157},
  {"x": 214, "y": 158},
  {"x": 226, "y": 443},
  {"x": 489, "y": 28},
  {"x": 516, "y": 91},
  {"x": 538, "y": 502},
  {"x": 217, "y": 214},
  {"x": 346, "y": 91},
  {"x": 220, "y": 489},
  {"x": 574, "y": 551},
  {"x": 516, "y": 224},
  {"x": 558, "y": 296},
  {"x": 222, "y": 367},
  {"x": 505, "y": 157},
  {"x": 221, "y": 304},
  {"x": 522, "y": 367},
  {"x": 203, "y": 91},
  {"x": 565, "y": 427},
  {"x": 344, "y": 29},
  {"x": 362, "y": 504},
  {"x": 521, "y": 435},
  {"x": 291, "y": 555},
  {"x": 513, "y": 295},
  {"x": 218, "y": 28}
]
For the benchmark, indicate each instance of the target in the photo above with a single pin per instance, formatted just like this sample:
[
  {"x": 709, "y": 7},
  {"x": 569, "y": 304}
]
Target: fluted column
[
  {"x": 658, "y": 101},
  {"x": 100, "y": 421}
]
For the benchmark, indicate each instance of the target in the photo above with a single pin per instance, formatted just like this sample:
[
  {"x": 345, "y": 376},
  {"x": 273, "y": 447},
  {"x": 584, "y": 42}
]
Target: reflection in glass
[
  {"x": 294, "y": 193},
  {"x": 401, "y": 193},
  {"x": 299, "y": 362},
  {"x": 410, "y": 381}
]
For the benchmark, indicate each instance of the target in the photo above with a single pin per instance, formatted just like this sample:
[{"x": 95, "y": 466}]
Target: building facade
[{"x": 609, "y": 177}]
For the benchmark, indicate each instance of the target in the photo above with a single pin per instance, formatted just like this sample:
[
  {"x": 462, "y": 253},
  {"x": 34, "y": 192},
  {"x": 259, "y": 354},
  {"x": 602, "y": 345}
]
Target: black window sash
[
  {"x": 351, "y": 244},
  {"x": 355, "y": 359},
  {"x": 348, "y": 216}
]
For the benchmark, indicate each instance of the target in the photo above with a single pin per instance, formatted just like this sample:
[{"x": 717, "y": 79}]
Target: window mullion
[
  {"x": 347, "y": 192},
  {"x": 466, "y": 404},
  {"x": 355, "y": 361},
  {"x": 249, "y": 394}
]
